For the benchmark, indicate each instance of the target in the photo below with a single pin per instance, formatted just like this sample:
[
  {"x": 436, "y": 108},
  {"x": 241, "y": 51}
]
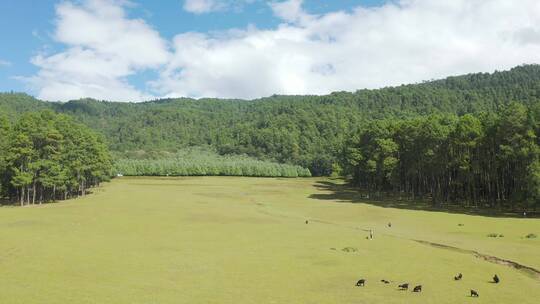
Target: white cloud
[
  {"x": 104, "y": 47},
  {"x": 401, "y": 42},
  {"x": 4, "y": 63},
  {"x": 202, "y": 6},
  {"x": 209, "y": 6},
  {"x": 291, "y": 11}
]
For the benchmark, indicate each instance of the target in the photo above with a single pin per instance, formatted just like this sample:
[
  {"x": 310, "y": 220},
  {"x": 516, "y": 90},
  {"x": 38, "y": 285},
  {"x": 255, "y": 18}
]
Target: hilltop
[{"x": 304, "y": 130}]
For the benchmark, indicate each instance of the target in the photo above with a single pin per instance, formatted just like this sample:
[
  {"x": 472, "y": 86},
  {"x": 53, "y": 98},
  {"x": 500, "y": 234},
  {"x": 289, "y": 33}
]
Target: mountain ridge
[{"x": 306, "y": 130}]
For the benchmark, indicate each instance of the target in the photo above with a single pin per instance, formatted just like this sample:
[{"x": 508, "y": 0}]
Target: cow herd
[{"x": 418, "y": 288}]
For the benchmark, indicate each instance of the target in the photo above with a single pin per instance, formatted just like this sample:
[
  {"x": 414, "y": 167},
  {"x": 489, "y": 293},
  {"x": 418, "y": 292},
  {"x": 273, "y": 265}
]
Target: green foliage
[
  {"x": 202, "y": 162},
  {"x": 483, "y": 160},
  {"x": 309, "y": 131},
  {"x": 44, "y": 155}
]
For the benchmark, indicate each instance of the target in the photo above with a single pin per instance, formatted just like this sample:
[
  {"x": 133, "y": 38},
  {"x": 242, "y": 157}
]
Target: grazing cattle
[
  {"x": 385, "y": 281},
  {"x": 417, "y": 288},
  {"x": 404, "y": 286},
  {"x": 496, "y": 279},
  {"x": 474, "y": 293},
  {"x": 458, "y": 277},
  {"x": 361, "y": 282}
]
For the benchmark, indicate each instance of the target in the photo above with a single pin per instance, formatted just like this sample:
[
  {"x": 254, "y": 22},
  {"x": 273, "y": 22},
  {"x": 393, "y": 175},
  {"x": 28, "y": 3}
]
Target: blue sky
[
  {"x": 26, "y": 27},
  {"x": 143, "y": 49}
]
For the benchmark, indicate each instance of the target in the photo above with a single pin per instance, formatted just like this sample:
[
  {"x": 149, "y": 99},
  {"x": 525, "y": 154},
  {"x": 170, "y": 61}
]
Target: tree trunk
[
  {"x": 22, "y": 196},
  {"x": 34, "y": 193}
]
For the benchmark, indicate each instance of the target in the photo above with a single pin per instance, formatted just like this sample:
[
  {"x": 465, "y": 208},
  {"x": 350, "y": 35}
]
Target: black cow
[
  {"x": 458, "y": 277},
  {"x": 385, "y": 281},
  {"x": 404, "y": 286},
  {"x": 417, "y": 288},
  {"x": 474, "y": 293},
  {"x": 361, "y": 282},
  {"x": 496, "y": 279}
]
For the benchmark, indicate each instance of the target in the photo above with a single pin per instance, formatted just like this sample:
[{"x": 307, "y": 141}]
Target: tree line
[
  {"x": 309, "y": 131},
  {"x": 204, "y": 162},
  {"x": 480, "y": 160},
  {"x": 46, "y": 156}
]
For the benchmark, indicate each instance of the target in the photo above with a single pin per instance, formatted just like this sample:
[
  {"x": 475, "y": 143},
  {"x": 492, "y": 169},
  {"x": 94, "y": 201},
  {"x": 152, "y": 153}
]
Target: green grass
[{"x": 244, "y": 240}]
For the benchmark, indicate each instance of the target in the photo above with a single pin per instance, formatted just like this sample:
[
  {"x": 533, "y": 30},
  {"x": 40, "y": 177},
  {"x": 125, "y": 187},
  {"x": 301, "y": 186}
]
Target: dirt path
[
  {"x": 486, "y": 257},
  {"x": 530, "y": 271}
]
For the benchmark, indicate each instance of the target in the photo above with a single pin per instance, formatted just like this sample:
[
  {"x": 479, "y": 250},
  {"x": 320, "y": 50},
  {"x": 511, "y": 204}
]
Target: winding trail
[
  {"x": 530, "y": 271},
  {"x": 533, "y": 272}
]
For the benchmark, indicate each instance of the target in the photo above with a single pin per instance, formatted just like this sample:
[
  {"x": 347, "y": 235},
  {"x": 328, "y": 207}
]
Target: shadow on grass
[
  {"x": 337, "y": 191},
  {"x": 4, "y": 202},
  {"x": 15, "y": 204}
]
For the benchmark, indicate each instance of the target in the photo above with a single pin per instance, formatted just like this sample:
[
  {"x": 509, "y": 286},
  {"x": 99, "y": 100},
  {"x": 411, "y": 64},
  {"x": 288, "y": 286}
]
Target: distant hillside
[
  {"x": 303, "y": 130},
  {"x": 13, "y": 104}
]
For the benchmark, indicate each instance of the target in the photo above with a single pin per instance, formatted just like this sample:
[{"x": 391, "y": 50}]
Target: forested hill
[{"x": 304, "y": 130}]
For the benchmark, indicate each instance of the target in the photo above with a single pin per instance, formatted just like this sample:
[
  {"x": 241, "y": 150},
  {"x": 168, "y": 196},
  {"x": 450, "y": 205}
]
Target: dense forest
[
  {"x": 471, "y": 139},
  {"x": 474, "y": 160},
  {"x": 309, "y": 131},
  {"x": 46, "y": 156}
]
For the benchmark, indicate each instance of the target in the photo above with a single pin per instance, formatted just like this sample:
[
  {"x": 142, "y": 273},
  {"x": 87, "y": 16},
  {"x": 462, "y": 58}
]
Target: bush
[{"x": 531, "y": 236}]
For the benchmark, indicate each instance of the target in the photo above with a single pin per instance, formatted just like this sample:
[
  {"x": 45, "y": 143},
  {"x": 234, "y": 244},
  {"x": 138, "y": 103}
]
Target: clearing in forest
[{"x": 245, "y": 240}]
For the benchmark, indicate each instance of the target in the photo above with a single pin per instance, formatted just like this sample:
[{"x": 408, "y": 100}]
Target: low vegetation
[
  {"x": 204, "y": 162},
  {"x": 245, "y": 240}
]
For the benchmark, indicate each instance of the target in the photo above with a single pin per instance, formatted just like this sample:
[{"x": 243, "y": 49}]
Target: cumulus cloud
[
  {"x": 400, "y": 42},
  {"x": 4, "y": 63},
  {"x": 104, "y": 47},
  {"x": 208, "y": 6},
  {"x": 290, "y": 11},
  {"x": 366, "y": 47},
  {"x": 202, "y": 6}
]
